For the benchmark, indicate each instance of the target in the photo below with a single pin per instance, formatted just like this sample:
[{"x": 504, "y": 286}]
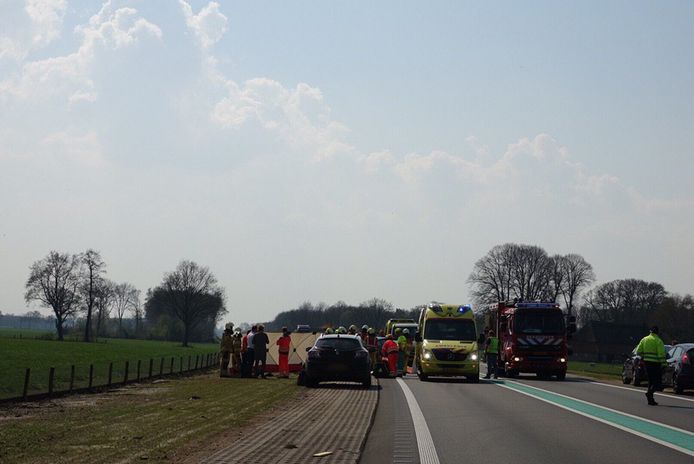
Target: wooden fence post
[
  {"x": 91, "y": 375},
  {"x": 171, "y": 365},
  {"x": 138, "y": 370},
  {"x": 196, "y": 361},
  {"x": 27, "y": 375},
  {"x": 151, "y": 363},
  {"x": 161, "y": 367},
  {"x": 72, "y": 378},
  {"x": 125, "y": 375},
  {"x": 188, "y": 362},
  {"x": 110, "y": 374},
  {"x": 180, "y": 365},
  {"x": 51, "y": 376}
]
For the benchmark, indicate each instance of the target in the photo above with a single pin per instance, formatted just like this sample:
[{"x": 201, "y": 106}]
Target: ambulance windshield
[{"x": 450, "y": 329}]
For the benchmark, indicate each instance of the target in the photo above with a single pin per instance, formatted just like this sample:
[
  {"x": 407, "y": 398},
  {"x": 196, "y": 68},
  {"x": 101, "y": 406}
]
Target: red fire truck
[{"x": 533, "y": 338}]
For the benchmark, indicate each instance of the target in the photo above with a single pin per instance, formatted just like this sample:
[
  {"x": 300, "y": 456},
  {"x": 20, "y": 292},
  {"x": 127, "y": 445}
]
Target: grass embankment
[
  {"x": 16, "y": 355},
  {"x": 152, "y": 422},
  {"x": 598, "y": 370}
]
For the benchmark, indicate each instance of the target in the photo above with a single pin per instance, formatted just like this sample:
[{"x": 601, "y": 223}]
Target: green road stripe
[{"x": 678, "y": 439}]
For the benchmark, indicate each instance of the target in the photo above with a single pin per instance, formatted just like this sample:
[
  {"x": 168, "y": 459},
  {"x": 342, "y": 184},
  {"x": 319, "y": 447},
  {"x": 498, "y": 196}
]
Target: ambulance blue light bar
[{"x": 537, "y": 305}]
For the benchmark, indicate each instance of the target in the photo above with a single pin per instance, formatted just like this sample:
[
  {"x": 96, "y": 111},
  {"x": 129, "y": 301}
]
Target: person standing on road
[
  {"x": 283, "y": 343},
  {"x": 390, "y": 351},
  {"x": 260, "y": 342},
  {"x": 226, "y": 349},
  {"x": 249, "y": 359},
  {"x": 652, "y": 351},
  {"x": 372, "y": 346},
  {"x": 364, "y": 333},
  {"x": 492, "y": 351}
]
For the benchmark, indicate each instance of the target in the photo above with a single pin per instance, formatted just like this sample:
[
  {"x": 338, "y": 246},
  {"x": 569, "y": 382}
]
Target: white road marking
[
  {"x": 425, "y": 444},
  {"x": 664, "y": 395}
]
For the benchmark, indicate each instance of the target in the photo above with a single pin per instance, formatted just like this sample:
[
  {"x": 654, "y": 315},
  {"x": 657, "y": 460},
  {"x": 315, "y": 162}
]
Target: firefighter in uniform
[
  {"x": 372, "y": 346},
  {"x": 652, "y": 351},
  {"x": 492, "y": 352},
  {"x": 226, "y": 348},
  {"x": 284, "y": 343},
  {"x": 236, "y": 354}
]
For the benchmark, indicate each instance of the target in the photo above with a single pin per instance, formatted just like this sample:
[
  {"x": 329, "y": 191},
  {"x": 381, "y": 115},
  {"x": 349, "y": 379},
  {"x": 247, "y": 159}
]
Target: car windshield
[
  {"x": 539, "y": 323},
  {"x": 450, "y": 329},
  {"x": 344, "y": 344}
]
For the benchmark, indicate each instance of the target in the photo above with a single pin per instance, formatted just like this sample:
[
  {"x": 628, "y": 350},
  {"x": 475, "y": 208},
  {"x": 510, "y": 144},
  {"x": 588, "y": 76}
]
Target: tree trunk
[
  {"x": 59, "y": 328},
  {"x": 186, "y": 329}
]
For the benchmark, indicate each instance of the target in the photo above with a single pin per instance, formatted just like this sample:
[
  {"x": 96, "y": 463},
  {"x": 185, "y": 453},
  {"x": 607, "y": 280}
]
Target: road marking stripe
[
  {"x": 663, "y": 434},
  {"x": 664, "y": 395},
  {"x": 425, "y": 444}
]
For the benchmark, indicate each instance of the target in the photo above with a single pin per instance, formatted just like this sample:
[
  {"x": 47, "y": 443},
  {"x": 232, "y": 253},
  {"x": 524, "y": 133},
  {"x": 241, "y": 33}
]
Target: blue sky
[{"x": 310, "y": 150}]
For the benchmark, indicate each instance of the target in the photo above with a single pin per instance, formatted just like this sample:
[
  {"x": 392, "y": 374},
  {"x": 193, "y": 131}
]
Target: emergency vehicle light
[
  {"x": 464, "y": 308},
  {"x": 537, "y": 305}
]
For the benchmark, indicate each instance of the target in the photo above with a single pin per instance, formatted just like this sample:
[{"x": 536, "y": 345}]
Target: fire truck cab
[{"x": 533, "y": 338}]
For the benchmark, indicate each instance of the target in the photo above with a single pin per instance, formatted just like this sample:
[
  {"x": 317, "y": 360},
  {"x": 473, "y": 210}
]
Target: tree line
[
  {"x": 186, "y": 305},
  {"x": 527, "y": 272}
]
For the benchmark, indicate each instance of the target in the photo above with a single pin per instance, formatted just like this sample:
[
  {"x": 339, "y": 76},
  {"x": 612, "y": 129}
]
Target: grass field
[
  {"x": 156, "y": 422},
  {"x": 40, "y": 355},
  {"x": 612, "y": 371}
]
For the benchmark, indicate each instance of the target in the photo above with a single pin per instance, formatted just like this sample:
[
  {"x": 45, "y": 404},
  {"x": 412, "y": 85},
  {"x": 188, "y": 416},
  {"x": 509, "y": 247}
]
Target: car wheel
[
  {"x": 626, "y": 380},
  {"x": 676, "y": 386},
  {"x": 311, "y": 383}
]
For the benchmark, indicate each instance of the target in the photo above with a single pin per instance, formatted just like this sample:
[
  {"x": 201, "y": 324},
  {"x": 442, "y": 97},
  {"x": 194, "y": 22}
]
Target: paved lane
[{"x": 473, "y": 422}]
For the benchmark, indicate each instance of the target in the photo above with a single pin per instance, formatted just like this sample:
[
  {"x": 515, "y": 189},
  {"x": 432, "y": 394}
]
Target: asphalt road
[{"x": 527, "y": 421}]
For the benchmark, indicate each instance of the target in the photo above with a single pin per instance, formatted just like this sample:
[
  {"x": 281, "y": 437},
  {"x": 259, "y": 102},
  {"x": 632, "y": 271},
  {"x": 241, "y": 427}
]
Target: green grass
[
  {"x": 604, "y": 370},
  {"x": 41, "y": 355},
  {"x": 26, "y": 333},
  {"x": 152, "y": 422}
]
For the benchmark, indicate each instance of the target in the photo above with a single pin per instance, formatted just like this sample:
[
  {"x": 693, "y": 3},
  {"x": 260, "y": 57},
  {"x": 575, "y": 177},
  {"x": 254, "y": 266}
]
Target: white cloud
[
  {"x": 209, "y": 25},
  {"x": 36, "y": 25},
  {"x": 69, "y": 76}
]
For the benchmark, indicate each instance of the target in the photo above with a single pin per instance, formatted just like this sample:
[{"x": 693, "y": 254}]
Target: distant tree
[
  {"x": 93, "y": 269},
  {"x": 628, "y": 301},
  {"x": 33, "y": 314},
  {"x": 675, "y": 317},
  {"x": 137, "y": 311},
  {"x": 54, "y": 282},
  {"x": 577, "y": 274},
  {"x": 103, "y": 303},
  {"x": 191, "y": 293},
  {"x": 124, "y": 297}
]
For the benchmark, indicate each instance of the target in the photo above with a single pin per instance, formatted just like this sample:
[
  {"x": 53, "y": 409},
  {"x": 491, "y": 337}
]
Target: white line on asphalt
[
  {"x": 611, "y": 424},
  {"x": 427, "y": 450},
  {"x": 664, "y": 395}
]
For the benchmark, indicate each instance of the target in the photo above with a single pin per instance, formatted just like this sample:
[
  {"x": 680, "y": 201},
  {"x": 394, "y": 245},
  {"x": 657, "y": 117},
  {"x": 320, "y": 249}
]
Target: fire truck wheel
[
  {"x": 511, "y": 374},
  {"x": 561, "y": 375}
]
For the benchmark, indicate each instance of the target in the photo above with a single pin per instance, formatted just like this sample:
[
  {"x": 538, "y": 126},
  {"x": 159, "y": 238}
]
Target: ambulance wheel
[
  {"x": 474, "y": 378},
  {"x": 422, "y": 376}
]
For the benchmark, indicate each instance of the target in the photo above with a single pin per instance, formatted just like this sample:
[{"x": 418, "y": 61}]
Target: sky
[{"x": 320, "y": 151}]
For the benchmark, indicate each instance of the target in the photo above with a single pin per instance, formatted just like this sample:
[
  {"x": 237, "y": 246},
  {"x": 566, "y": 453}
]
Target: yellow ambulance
[{"x": 447, "y": 342}]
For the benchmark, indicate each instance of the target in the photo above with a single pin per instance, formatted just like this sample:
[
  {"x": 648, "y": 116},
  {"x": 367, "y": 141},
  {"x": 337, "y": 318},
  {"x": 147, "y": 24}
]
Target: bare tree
[
  {"x": 191, "y": 292},
  {"x": 137, "y": 311},
  {"x": 103, "y": 303},
  {"x": 54, "y": 282},
  {"x": 577, "y": 274},
  {"x": 124, "y": 297},
  {"x": 622, "y": 301},
  {"x": 491, "y": 279},
  {"x": 94, "y": 267}
]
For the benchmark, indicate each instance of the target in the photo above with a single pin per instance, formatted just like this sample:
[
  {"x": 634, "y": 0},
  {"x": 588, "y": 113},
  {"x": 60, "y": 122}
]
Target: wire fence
[{"x": 40, "y": 384}]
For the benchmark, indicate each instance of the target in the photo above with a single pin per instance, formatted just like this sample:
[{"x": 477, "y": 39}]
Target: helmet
[
  {"x": 371, "y": 331},
  {"x": 329, "y": 331},
  {"x": 229, "y": 326},
  {"x": 365, "y": 327},
  {"x": 353, "y": 328},
  {"x": 406, "y": 331},
  {"x": 398, "y": 330},
  {"x": 341, "y": 330}
]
